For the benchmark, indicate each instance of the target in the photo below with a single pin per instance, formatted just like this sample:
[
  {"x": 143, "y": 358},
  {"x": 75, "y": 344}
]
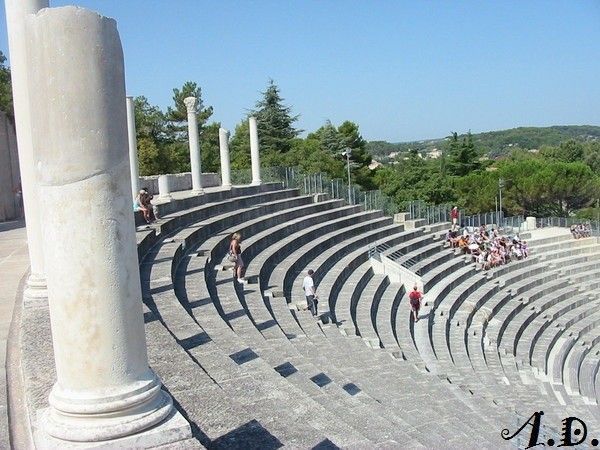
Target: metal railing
[
  {"x": 320, "y": 183},
  {"x": 398, "y": 256}
]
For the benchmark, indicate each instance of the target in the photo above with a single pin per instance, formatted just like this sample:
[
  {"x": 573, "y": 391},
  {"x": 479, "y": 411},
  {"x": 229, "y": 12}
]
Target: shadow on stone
[
  {"x": 325, "y": 445},
  {"x": 286, "y": 369},
  {"x": 251, "y": 435},
  {"x": 243, "y": 356},
  {"x": 321, "y": 379},
  {"x": 195, "y": 341}
]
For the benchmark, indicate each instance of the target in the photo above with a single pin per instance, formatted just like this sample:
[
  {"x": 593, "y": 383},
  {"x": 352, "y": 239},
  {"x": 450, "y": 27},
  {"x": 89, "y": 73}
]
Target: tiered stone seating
[
  {"x": 249, "y": 367},
  {"x": 233, "y": 332}
]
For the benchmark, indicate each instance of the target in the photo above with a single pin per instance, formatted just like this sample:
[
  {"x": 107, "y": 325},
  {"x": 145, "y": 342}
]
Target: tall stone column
[
  {"x": 194, "y": 141},
  {"x": 254, "y": 151},
  {"x": 133, "y": 156},
  {"x": 104, "y": 389},
  {"x": 224, "y": 152},
  {"x": 16, "y": 13}
]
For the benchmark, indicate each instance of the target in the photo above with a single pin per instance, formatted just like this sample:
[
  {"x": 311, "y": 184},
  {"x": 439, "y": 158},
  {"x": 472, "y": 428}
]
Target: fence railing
[
  {"x": 398, "y": 256},
  {"x": 317, "y": 183}
]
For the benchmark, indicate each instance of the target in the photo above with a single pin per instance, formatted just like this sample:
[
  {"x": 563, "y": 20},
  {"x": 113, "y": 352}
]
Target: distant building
[
  {"x": 374, "y": 165},
  {"x": 434, "y": 154}
]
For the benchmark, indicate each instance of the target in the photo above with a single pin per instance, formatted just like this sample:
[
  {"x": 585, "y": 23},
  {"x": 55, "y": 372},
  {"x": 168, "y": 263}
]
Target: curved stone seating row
[
  {"x": 473, "y": 348},
  {"x": 238, "y": 318},
  {"x": 470, "y": 307},
  {"x": 217, "y": 364}
]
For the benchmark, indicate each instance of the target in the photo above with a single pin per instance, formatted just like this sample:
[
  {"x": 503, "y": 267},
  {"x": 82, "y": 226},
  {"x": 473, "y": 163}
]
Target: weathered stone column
[
  {"x": 224, "y": 152},
  {"x": 254, "y": 150},
  {"x": 194, "y": 141},
  {"x": 133, "y": 156},
  {"x": 16, "y": 13},
  {"x": 164, "y": 188},
  {"x": 104, "y": 389}
]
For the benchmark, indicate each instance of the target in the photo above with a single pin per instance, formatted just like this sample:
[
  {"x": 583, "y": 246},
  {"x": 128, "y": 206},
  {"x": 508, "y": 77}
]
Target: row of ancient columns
[{"x": 194, "y": 144}]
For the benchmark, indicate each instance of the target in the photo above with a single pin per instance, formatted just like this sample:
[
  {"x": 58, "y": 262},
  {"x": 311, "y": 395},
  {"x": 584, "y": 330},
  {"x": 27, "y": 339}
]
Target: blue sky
[{"x": 402, "y": 70}]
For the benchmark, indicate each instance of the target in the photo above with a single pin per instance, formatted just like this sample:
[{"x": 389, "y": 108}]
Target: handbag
[{"x": 232, "y": 257}]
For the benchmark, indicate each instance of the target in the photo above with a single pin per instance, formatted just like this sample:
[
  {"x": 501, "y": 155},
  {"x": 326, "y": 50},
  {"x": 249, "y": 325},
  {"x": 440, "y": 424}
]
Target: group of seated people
[
  {"x": 487, "y": 247},
  {"x": 143, "y": 203},
  {"x": 581, "y": 230}
]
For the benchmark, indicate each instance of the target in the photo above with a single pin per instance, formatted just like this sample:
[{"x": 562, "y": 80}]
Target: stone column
[
  {"x": 530, "y": 223},
  {"x": 254, "y": 150},
  {"x": 164, "y": 188},
  {"x": 16, "y": 13},
  {"x": 224, "y": 151},
  {"x": 194, "y": 141},
  {"x": 104, "y": 389},
  {"x": 133, "y": 156}
]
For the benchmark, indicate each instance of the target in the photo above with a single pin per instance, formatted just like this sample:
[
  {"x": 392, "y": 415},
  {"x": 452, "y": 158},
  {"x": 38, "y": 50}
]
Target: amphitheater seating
[{"x": 250, "y": 367}]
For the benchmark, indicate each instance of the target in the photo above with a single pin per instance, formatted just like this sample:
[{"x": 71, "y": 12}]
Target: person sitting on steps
[{"x": 143, "y": 203}]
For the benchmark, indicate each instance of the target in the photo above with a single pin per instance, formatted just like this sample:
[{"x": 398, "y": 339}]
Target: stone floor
[{"x": 14, "y": 263}]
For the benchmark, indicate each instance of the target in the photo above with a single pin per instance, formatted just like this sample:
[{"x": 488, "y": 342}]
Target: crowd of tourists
[
  {"x": 581, "y": 230},
  {"x": 489, "y": 248}
]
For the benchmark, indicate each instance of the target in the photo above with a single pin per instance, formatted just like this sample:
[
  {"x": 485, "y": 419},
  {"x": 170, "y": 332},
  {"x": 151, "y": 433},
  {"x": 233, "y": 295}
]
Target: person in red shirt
[
  {"x": 415, "y": 302},
  {"x": 454, "y": 217}
]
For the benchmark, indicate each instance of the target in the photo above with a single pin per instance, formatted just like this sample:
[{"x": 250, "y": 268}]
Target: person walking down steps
[
  {"x": 310, "y": 292},
  {"x": 235, "y": 256},
  {"x": 415, "y": 302}
]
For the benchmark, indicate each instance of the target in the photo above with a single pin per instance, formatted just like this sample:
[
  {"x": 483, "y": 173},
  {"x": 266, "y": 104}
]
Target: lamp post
[
  {"x": 500, "y": 186},
  {"x": 347, "y": 152}
]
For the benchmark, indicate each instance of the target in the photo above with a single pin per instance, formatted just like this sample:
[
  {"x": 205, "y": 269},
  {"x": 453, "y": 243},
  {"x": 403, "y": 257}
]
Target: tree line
[
  {"x": 163, "y": 148},
  {"x": 562, "y": 179}
]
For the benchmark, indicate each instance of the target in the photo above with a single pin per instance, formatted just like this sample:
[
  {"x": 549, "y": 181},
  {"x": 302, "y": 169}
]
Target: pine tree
[
  {"x": 275, "y": 122},
  {"x": 462, "y": 156},
  {"x": 177, "y": 116}
]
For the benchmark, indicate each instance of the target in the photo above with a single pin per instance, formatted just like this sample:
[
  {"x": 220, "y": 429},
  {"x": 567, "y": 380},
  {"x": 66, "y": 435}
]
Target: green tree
[
  {"x": 239, "y": 147},
  {"x": 6, "y": 102},
  {"x": 462, "y": 155},
  {"x": 149, "y": 120},
  {"x": 177, "y": 115},
  {"x": 150, "y": 159},
  {"x": 274, "y": 121},
  {"x": 209, "y": 147}
]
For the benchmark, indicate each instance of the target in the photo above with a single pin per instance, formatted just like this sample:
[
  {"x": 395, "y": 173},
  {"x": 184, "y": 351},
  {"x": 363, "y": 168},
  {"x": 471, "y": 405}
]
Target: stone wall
[
  {"x": 179, "y": 181},
  {"x": 9, "y": 170}
]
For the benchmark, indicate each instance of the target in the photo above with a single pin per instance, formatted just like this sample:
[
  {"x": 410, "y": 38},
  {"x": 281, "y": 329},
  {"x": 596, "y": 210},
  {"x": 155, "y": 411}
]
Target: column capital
[{"x": 190, "y": 104}]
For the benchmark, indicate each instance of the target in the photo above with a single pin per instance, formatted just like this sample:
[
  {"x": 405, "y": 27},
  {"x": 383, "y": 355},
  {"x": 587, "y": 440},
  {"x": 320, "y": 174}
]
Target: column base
[
  {"x": 198, "y": 191},
  {"x": 173, "y": 429},
  {"x": 226, "y": 186},
  {"x": 107, "y": 414},
  {"x": 36, "y": 291},
  {"x": 164, "y": 198},
  {"x": 256, "y": 183}
]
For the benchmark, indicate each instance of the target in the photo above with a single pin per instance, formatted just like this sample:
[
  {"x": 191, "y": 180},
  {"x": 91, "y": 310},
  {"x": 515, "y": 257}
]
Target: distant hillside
[{"x": 496, "y": 143}]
